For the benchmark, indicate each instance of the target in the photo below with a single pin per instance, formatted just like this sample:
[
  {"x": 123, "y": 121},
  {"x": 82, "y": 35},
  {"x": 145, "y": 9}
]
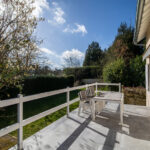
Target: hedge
[
  {"x": 37, "y": 84},
  {"x": 80, "y": 73}
]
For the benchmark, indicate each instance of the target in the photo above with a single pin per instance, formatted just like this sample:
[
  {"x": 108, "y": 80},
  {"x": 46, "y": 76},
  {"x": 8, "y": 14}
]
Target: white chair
[
  {"x": 91, "y": 91},
  {"x": 85, "y": 102},
  {"x": 99, "y": 105}
]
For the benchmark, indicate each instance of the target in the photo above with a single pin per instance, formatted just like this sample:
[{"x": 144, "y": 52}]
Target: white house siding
[
  {"x": 148, "y": 38},
  {"x": 148, "y": 69}
]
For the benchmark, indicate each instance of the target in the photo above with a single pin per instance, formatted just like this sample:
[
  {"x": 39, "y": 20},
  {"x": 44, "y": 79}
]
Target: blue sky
[{"x": 71, "y": 25}]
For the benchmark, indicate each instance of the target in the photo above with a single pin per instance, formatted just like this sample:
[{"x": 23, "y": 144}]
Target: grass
[{"x": 8, "y": 116}]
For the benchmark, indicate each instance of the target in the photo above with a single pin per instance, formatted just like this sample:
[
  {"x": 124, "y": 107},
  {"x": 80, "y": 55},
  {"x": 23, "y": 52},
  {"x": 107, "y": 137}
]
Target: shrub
[
  {"x": 130, "y": 74},
  {"x": 114, "y": 72},
  {"x": 80, "y": 73},
  {"x": 137, "y": 71}
]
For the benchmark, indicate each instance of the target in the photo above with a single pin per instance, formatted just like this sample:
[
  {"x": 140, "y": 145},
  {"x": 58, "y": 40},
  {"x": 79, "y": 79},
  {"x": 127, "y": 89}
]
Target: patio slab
[{"x": 105, "y": 133}]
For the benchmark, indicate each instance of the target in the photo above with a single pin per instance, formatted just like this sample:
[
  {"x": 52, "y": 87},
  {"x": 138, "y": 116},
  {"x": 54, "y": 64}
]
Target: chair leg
[
  {"x": 91, "y": 107},
  {"x": 80, "y": 105},
  {"x": 83, "y": 107},
  {"x": 91, "y": 110}
]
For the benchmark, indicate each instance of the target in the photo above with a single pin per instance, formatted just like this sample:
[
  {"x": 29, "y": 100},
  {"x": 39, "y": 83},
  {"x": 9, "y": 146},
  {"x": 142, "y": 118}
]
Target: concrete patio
[{"x": 81, "y": 133}]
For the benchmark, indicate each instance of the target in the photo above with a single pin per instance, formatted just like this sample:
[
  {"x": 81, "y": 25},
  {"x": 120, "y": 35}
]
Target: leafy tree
[
  {"x": 108, "y": 56},
  {"x": 18, "y": 46},
  {"x": 123, "y": 60},
  {"x": 123, "y": 46},
  {"x": 93, "y": 55}
]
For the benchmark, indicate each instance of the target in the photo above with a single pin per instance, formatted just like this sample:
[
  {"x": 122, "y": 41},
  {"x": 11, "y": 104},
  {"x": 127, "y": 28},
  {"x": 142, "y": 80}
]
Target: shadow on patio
[
  {"x": 81, "y": 133},
  {"x": 136, "y": 125}
]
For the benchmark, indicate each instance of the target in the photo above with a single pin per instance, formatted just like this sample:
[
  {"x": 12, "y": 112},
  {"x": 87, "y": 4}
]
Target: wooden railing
[{"x": 20, "y": 100}]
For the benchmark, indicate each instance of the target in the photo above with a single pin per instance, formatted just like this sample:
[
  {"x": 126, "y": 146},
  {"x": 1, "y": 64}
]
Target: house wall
[
  {"x": 148, "y": 98},
  {"x": 148, "y": 38},
  {"x": 147, "y": 81},
  {"x": 147, "y": 70}
]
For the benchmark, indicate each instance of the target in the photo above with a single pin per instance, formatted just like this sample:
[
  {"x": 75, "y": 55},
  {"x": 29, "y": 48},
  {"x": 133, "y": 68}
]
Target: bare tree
[
  {"x": 18, "y": 46},
  {"x": 72, "y": 61}
]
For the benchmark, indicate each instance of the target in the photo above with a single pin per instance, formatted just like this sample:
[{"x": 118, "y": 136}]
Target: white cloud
[
  {"x": 39, "y": 6},
  {"x": 73, "y": 53},
  {"x": 58, "y": 15},
  {"x": 66, "y": 54},
  {"x": 49, "y": 57},
  {"x": 57, "y": 18},
  {"x": 54, "y": 3},
  {"x": 58, "y": 61},
  {"x": 72, "y": 58},
  {"x": 80, "y": 28},
  {"x": 48, "y": 51}
]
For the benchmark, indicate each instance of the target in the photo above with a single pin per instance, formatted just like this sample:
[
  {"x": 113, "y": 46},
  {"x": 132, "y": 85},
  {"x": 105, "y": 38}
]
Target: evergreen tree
[{"x": 93, "y": 55}]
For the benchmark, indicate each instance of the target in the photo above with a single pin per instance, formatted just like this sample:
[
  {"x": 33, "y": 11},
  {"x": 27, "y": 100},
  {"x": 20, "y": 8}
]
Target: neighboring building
[{"x": 142, "y": 37}]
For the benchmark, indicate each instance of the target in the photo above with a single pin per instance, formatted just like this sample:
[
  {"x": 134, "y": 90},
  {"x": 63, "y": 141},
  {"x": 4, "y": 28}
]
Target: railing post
[
  {"x": 96, "y": 88},
  {"x": 68, "y": 99},
  {"x": 20, "y": 119},
  {"x": 120, "y": 87},
  {"x": 86, "y": 86}
]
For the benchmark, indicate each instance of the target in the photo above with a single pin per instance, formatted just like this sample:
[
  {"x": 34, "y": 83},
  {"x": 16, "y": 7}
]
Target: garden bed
[{"x": 135, "y": 95}]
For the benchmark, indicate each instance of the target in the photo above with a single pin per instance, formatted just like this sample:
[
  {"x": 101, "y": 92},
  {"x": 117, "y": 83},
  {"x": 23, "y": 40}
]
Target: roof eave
[{"x": 140, "y": 6}]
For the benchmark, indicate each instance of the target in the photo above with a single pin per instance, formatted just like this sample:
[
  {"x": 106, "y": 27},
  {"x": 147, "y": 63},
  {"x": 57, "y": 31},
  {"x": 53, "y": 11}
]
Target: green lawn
[{"x": 8, "y": 116}]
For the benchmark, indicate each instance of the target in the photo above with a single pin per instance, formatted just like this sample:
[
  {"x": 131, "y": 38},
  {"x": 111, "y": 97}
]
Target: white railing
[{"x": 20, "y": 100}]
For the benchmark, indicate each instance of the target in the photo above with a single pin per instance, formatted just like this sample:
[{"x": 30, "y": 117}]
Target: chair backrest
[
  {"x": 82, "y": 95},
  {"x": 91, "y": 91},
  {"x": 88, "y": 93}
]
